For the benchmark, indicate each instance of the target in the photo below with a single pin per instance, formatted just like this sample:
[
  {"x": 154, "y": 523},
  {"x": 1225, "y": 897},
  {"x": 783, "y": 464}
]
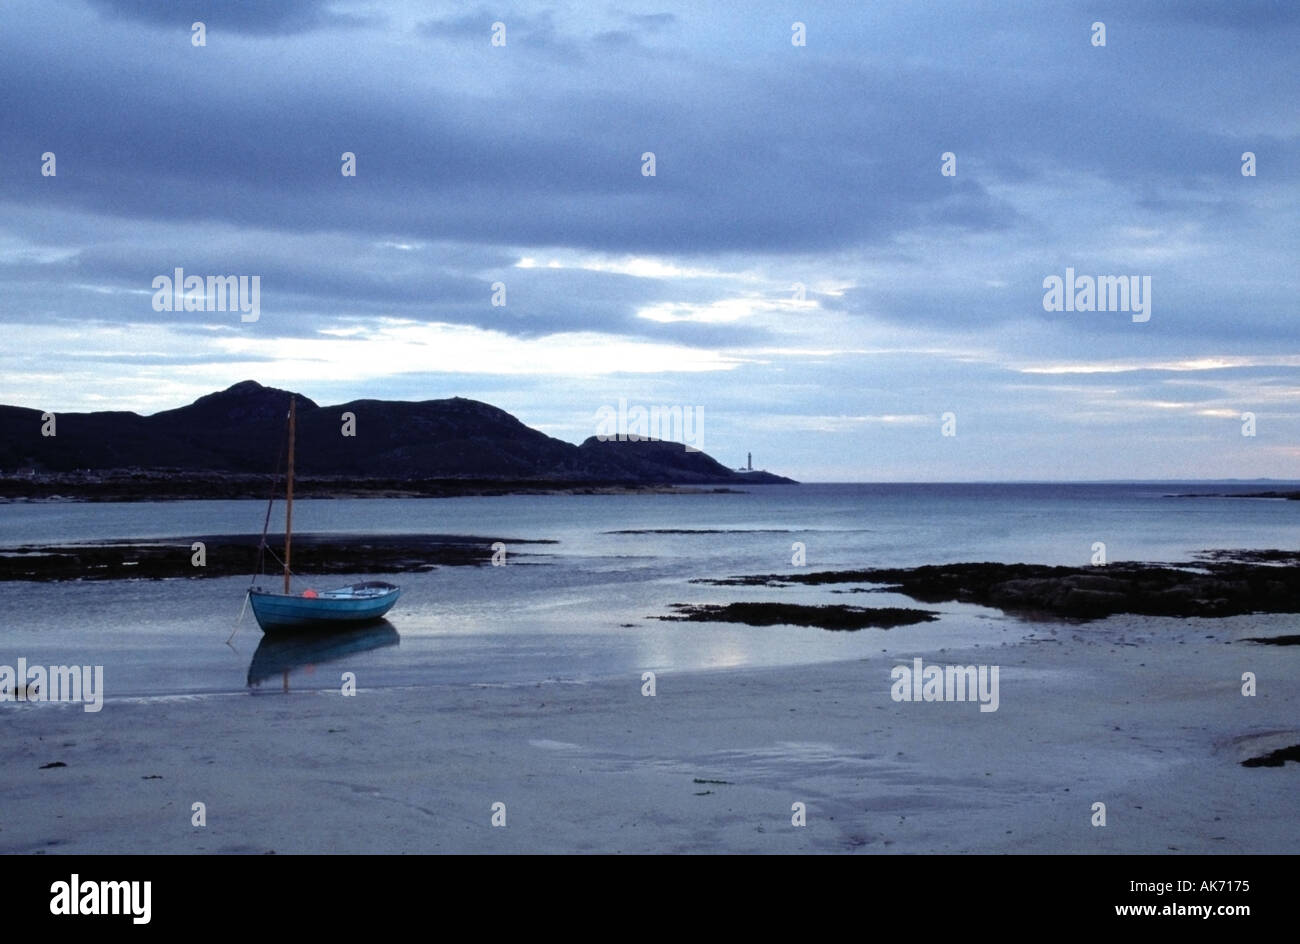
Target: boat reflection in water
[{"x": 279, "y": 655}]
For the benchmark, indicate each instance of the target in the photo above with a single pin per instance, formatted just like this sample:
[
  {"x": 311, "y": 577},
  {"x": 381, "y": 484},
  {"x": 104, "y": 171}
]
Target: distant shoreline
[
  {"x": 1287, "y": 496},
  {"x": 147, "y": 486}
]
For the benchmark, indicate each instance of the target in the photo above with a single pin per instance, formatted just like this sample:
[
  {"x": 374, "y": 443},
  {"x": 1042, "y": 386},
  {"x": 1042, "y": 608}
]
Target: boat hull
[{"x": 342, "y": 608}]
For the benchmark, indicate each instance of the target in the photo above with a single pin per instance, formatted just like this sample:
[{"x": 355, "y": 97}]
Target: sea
[{"x": 588, "y": 606}]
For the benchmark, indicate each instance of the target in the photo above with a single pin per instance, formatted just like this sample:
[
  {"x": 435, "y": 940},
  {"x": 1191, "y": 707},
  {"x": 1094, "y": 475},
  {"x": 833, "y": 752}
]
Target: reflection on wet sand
[{"x": 280, "y": 655}]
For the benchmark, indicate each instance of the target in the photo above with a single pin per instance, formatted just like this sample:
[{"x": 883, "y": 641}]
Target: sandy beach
[{"x": 1145, "y": 715}]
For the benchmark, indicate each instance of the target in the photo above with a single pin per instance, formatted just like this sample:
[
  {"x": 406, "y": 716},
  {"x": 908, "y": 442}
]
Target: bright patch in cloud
[
  {"x": 1200, "y": 363},
  {"x": 724, "y": 310},
  {"x": 396, "y": 346}
]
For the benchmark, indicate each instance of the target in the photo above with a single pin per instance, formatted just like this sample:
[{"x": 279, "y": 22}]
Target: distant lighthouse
[{"x": 749, "y": 461}]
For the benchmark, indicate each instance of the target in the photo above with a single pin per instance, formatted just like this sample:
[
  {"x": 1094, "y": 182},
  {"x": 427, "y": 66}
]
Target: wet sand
[{"x": 1144, "y": 714}]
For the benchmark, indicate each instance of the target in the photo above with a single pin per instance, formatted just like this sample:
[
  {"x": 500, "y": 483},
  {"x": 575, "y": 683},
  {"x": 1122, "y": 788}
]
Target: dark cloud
[
  {"x": 800, "y": 165},
  {"x": 274, "y": 18},
  {"x": 652, "y": 22},
  {"x": 523, "y": 31}
]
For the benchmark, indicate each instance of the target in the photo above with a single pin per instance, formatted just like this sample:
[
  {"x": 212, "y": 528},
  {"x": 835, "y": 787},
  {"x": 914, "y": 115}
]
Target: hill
[{"x": 239, "y": 432}]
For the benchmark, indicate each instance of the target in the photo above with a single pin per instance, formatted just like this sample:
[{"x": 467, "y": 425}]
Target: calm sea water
[{"x": 579, "y": 609}]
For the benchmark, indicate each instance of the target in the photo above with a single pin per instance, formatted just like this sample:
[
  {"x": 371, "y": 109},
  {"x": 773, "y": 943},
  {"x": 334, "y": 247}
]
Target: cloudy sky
[{"x": 775, "y": 165}]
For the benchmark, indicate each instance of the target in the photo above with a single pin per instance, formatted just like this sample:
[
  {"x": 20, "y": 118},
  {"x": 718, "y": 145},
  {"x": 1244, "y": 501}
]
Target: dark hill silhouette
[{"x": 240, "y": 430}]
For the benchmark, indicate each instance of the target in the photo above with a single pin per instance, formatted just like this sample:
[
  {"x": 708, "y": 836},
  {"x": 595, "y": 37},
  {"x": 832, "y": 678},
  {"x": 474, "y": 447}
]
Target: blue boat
[
  {"x": 340, "y": 609},
  {"x": 344, "y": 607}
]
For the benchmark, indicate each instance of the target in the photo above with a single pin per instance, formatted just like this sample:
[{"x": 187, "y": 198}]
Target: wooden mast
[{"x": 288, "y": 505}]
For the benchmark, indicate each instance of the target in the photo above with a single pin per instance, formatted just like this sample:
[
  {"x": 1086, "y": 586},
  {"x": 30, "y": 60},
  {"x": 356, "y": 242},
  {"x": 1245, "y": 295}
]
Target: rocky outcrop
[{"x": 1222, "y": 586}]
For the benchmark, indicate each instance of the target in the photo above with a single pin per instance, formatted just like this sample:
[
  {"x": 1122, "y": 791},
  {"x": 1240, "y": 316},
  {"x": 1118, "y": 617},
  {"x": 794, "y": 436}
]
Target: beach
[{"x": 1143, "y": 714}]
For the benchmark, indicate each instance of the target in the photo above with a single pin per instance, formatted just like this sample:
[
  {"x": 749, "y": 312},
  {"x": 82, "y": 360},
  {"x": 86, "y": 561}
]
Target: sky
[{"x": 799, "y": 271}]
